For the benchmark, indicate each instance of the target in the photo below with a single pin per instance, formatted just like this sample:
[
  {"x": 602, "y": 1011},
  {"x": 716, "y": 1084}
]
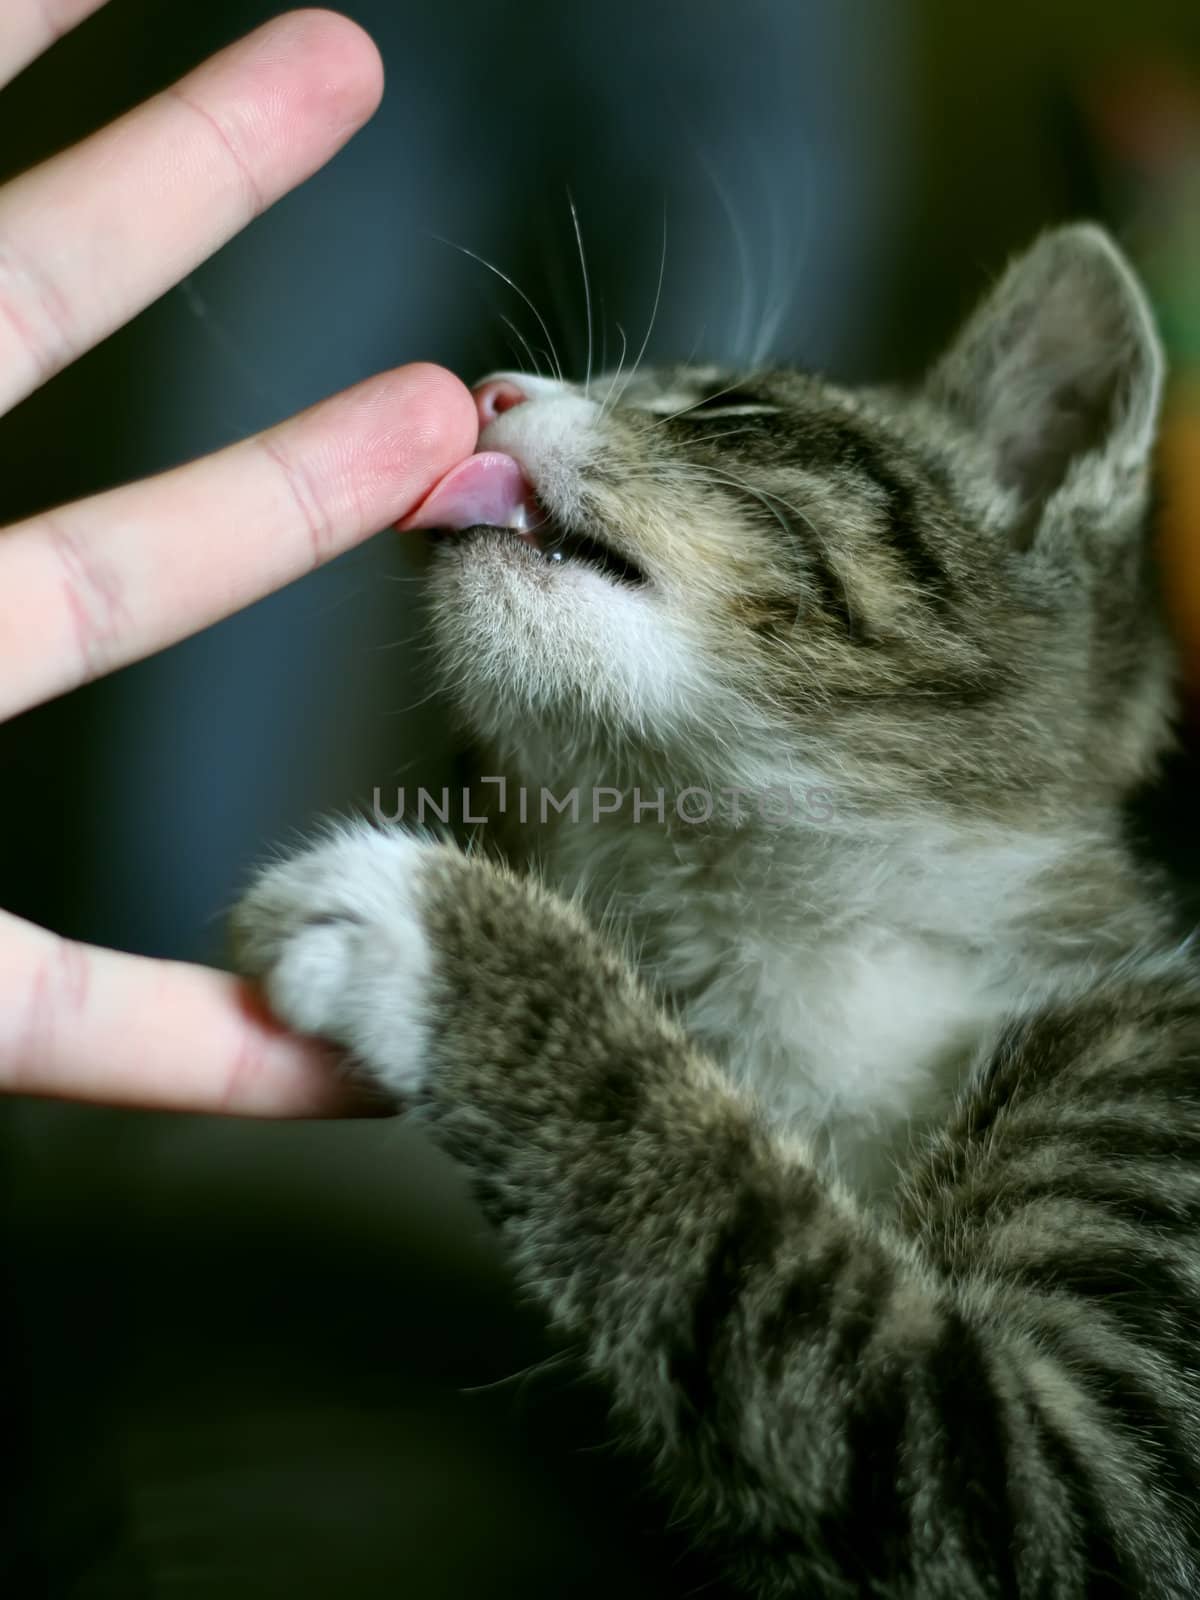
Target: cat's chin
[{"x": 521, "y": 636}]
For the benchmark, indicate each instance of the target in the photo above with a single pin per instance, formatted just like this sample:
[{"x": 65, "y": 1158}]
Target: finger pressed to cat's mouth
[{"x": 490, "y": 490}]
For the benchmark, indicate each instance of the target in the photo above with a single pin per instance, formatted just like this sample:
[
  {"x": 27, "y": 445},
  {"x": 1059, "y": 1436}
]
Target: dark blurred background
[{"x": 255, "y": 1360}]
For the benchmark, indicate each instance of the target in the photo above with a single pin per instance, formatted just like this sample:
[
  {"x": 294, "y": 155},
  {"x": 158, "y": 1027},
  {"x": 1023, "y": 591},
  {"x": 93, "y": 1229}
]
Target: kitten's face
[
  {"x": 743, "y": 570},
  {"x": 705, "y": 540}
]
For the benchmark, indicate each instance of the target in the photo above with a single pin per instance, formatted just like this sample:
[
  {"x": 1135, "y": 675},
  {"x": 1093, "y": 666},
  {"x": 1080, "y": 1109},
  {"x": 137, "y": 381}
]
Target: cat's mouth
[
  {"x": 489, "y": 491},
  {"x": 553, "y": 542}
]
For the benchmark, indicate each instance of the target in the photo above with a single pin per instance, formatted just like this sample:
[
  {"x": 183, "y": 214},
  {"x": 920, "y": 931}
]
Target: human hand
[{"x": 87, "y": 240}]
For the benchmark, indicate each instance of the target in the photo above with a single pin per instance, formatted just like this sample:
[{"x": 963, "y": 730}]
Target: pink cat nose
[{"x": 495, "y": 397}]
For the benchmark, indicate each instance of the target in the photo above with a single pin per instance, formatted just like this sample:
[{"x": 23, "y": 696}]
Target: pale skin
[{"x": 87, "y": 240}]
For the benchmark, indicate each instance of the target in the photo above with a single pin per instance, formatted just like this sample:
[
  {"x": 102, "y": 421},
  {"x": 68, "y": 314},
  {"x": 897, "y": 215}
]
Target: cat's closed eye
[{"x": 736, "y": 401}]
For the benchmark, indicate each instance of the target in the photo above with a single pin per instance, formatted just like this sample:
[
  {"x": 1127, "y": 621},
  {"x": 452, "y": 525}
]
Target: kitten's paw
[{"x": 336, "y": 935}]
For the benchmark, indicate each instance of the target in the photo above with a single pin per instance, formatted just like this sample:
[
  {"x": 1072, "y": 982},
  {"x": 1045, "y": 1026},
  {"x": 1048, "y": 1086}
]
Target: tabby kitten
[{"x": 858, "y": 1145}]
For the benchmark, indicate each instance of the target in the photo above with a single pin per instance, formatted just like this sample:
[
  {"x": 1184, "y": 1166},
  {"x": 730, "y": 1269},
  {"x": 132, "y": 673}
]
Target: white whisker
[
  {"x": 662, "y": 267},
  {"x": 710, "y": 438},
  {"x": 525, "y": 344},
  {"x": 613, "y": 388},
  {"x": 516, "y": 288},
  {"x": 587, "y": 292}
]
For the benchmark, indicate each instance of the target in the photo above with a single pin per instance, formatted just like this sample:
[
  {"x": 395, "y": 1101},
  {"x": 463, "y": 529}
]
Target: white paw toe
[{"x": 336, "y": 936}]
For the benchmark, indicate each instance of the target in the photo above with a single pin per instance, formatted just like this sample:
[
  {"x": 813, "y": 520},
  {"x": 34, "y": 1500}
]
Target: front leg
[
  {"x": 491, "y": 1008},
  {"x": 837, "y": 1407}
]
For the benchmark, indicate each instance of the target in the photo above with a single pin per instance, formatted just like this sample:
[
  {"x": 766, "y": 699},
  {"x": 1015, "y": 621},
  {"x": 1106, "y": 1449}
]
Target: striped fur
[
  {"x": 990, "y": 1387},
  {"x": 860, "y": 1155}
]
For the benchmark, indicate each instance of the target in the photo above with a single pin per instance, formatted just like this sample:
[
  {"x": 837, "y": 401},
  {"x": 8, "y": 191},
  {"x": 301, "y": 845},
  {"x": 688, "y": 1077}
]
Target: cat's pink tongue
[{"x": 488, "y": 488}]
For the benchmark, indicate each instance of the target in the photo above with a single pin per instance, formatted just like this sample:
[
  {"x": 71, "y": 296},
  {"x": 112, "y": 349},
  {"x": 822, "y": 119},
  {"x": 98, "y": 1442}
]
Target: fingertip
[
  {"x": 445, "y": 402},
  {"x": 350, "y": 66},
  {"x": 296, "y": 1077},
  {"x": 374, "y": 452}
]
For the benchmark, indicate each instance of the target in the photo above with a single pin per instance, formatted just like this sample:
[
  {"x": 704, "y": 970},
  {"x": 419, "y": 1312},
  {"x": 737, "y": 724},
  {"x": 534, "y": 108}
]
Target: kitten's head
[{"x": 942, "y": 594}]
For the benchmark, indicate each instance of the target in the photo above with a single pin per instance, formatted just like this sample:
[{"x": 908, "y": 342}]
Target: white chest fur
[
  {"x": 857, "y": 1039},
  {"x": 847, "y": 984}
]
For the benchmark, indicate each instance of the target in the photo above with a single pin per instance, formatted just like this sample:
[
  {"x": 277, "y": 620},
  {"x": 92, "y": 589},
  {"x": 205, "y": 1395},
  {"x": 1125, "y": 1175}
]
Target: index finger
[
  {"x": 31, "y": 26},
  {"x": 85, "y": 589}
]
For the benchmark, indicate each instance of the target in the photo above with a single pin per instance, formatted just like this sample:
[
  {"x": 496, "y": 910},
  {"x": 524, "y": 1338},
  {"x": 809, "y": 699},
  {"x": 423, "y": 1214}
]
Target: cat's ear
[{"x": 1059, "y": 373}]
